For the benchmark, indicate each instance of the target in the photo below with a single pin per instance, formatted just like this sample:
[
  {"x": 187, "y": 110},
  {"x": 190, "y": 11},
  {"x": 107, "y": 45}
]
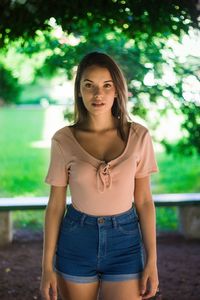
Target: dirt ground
[{"x": 178, "y": 263}]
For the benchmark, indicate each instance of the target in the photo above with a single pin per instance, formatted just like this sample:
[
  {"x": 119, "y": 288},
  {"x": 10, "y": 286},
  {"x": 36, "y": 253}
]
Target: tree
[
  {"x": 9, "y": 87},
  {"x": 152, "y": 17}
]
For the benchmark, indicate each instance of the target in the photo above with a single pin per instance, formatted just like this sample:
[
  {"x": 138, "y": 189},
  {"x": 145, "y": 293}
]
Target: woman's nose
[{"x": 97, "y": 91}]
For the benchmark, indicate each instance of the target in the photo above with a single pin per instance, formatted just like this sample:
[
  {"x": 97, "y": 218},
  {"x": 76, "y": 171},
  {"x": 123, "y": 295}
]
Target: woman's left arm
[{"x": 146, "y": 212}]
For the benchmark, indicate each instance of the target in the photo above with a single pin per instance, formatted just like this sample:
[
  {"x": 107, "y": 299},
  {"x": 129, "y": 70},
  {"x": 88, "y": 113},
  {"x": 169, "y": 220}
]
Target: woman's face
[{"x": 97, "y": 90}]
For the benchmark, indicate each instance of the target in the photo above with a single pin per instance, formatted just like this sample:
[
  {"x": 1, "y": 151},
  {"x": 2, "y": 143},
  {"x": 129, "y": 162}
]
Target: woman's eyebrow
[{"x": 92, "y": 81}]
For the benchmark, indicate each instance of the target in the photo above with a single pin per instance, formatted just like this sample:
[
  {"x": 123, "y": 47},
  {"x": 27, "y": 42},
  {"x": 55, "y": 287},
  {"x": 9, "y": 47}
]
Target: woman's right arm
[{"x": 53, "y": 216}]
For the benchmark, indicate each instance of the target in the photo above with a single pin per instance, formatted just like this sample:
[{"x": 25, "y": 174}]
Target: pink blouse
[{"x": 98, "y": 187}]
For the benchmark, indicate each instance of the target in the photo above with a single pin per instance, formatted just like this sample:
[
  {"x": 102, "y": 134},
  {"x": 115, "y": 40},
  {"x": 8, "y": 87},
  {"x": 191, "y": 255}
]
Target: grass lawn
[
  {"x": 23, "y": 167},
  {"x": 177, "y": 174}
]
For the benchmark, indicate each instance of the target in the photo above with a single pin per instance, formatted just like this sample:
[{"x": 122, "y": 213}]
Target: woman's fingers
[
  {"x": 48, "y": 286},
  {"x": 151, "y": 291},
  {"x": 143, "y": 284},
  {"x": 54, "y": 291},
  {"x": 45, "y": 293},
  {"x": 149, "y": 294}
]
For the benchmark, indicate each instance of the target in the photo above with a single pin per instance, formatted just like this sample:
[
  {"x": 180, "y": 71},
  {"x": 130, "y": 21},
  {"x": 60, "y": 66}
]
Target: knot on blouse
[{"x": 104, "y": 179}]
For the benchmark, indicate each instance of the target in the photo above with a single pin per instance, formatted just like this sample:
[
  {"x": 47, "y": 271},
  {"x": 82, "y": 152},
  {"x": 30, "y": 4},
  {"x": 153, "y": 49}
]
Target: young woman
[{"x": 106, "y": 159}]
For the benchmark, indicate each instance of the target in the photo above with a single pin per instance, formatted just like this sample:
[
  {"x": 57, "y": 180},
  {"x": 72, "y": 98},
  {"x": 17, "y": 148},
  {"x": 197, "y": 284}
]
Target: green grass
[
  {"x": 167, "y": 218},
  {"x": 28, "y": 219},
  {"x": 24, "y": 167},
  {"x": 177, "y": 174}
]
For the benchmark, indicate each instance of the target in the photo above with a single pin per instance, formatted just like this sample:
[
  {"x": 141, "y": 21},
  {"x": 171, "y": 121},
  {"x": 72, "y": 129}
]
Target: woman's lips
[{"x": 98, "y": 104}]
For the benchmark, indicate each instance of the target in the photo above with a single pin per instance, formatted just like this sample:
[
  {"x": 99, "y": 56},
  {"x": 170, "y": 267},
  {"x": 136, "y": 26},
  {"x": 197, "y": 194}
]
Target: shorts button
[{"x": 101, "y": 220}]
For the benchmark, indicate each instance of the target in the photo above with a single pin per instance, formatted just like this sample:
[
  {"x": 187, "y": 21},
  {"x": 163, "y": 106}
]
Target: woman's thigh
[
  {"x": 122, "y": 290},
  {"x": 69, "y": 290}
]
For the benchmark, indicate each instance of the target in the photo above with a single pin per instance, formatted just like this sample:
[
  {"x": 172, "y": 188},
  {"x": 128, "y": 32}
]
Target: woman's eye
[
  {"x": 88, "y": 85},
  {"x": 107, "y": 85}
]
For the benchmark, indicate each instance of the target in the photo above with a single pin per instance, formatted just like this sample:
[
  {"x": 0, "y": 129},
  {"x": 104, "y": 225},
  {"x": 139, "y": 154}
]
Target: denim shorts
[{"x": 92, "y": 248}]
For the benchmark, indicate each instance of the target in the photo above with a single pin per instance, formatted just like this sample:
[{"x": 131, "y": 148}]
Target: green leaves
[
  {"x": 9, "y": 87},
  {"x": 153, "y": 17}
]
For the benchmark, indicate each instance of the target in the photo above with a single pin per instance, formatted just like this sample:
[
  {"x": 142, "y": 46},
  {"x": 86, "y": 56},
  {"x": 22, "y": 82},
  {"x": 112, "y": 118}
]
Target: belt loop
[
  {"x": 82, "y": 219},
  {"x": 114, "y": 221}
]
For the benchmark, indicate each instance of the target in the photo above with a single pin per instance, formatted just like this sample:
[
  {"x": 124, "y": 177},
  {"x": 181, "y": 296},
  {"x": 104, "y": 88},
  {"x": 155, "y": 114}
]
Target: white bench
[{"x": 188, "y": 204}]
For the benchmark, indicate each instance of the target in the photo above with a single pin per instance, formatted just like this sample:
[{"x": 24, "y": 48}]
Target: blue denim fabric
[{"x": 92, "y": 248}]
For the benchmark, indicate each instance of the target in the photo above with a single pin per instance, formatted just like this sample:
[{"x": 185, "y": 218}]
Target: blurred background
[{"x": 157, "y": 45}]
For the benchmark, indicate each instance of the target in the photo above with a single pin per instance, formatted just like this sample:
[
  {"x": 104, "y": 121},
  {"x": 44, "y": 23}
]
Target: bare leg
[
  {"x": 121, "y": 290},
  {"x": 70, "y": 290}
]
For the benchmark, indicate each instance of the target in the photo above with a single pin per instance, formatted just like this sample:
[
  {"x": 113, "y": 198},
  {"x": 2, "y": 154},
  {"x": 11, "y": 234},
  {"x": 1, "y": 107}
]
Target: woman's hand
[
  {"x": 48, "y": 286},
  {"x": 149, "y": 281}
]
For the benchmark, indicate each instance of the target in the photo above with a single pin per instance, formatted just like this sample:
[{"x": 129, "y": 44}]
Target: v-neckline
[{"x": 93, "y": 157}]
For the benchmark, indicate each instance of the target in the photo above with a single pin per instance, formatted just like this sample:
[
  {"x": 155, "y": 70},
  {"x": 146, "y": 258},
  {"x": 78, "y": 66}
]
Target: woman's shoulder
[
  {"x": 139, "y": 128},
  {"x": 61, "y": 134}
]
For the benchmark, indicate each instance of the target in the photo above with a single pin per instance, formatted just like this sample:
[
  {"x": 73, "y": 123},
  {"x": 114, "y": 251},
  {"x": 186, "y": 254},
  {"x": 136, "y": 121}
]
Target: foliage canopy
[{"x": 152, "y": 17}]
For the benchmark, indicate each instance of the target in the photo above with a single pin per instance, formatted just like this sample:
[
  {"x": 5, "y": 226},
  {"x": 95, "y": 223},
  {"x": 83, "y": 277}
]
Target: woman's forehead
[{"x": 97, "y": 73}]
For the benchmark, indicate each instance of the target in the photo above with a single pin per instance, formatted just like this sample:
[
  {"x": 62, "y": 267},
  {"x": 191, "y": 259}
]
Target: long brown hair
[{"x": 119, "y": 108}]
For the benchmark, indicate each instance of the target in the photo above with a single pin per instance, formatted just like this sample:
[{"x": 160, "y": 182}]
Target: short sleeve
[
  {"x": 147, "y": 162},
  {"x": 57, "y": 172}
]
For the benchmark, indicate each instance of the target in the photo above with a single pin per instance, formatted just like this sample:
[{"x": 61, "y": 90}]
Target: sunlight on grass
[
  {"x": 22, "y": 167},
  {"x": 177, "y": 174},
  {"x": 53, "y": 120}
]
